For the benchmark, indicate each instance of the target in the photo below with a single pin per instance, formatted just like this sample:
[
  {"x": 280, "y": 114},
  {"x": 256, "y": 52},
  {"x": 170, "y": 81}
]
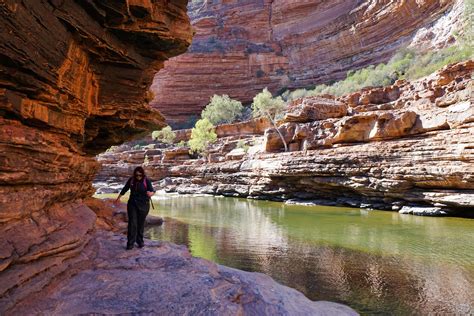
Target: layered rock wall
[
  {"x": 243, "y": 46},
  {"x": 73, "y": 81},
  {"x": 395, "y": 147}
]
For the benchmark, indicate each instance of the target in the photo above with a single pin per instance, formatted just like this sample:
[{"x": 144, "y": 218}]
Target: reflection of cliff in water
[
  {"x": 247, "y": 217},
  {"x": 372, "y": 261}
]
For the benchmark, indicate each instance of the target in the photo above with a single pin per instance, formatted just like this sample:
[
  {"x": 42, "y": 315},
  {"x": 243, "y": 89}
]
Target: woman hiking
[{"x": 138, "y": 206}]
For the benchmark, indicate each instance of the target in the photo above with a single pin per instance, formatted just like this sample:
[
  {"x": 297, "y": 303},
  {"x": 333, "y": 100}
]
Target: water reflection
[{"x": 376, "y": 262}]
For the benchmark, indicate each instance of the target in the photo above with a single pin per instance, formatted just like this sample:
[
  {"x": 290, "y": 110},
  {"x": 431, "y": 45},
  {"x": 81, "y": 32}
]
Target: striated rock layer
[
  {"x": 73, "y": 80},
  {"x": 409, "y": 144},
  {"x": 243, "y": 46},
  {"x": 74, "y": 76}
]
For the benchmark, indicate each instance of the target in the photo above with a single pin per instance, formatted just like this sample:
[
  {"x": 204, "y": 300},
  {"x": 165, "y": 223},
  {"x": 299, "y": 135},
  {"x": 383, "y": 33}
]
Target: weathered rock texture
[
  {"x": 73, "y": 80},
  {"x": 74, "y": 76},
  {"x": 408, "y": 144},
  {"x": 161, "y": 278},
  {"x": 164, "y": 279},
  {"x": 118, "y": 164},
  {"x": 243, "y": 46}
]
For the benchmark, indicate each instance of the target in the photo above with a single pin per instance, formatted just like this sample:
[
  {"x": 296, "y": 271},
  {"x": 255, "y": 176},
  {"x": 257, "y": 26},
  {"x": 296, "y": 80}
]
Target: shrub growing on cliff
[
  {"x": 166, "y": 135},
  {"x": 265, "y": 105},
  {"x": 242, "y": 145},
  {"x": 222, "y": 109},
  {"x": 429, "y": 62},
  {"x": 112, "y": 149},
  {"x": 202, "y": 135},
  {"x": 406, "y": 64},
  {"x": 182, "y": 144}
]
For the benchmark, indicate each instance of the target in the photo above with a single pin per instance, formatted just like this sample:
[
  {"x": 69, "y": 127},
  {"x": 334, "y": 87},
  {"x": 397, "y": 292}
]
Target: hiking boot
[
  {"x": 141, "y": 245},
  {"x": 129, "y": 247}
]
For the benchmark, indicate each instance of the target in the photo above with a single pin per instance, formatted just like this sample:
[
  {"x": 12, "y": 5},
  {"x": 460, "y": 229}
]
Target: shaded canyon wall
[{"x": 243, "y": 46}]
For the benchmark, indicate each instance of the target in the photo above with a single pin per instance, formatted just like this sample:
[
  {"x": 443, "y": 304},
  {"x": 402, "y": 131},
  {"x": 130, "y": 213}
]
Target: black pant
[{"x": 137, "y": 212}]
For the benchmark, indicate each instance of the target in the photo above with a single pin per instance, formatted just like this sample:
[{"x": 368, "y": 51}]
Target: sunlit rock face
[
  {"x": 243, "y": 46},
  {"x": 73, "y": 81},
  {"x": 410, "y": 143}
]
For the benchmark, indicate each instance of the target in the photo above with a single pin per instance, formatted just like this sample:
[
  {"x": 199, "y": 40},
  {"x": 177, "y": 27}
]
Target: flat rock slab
[
  {"x": 423, "y": 211},
  {"x": 165, "y": 279}
]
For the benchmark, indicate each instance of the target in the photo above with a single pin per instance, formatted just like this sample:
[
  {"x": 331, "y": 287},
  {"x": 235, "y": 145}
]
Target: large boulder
[{"x": 315, "y": 108}]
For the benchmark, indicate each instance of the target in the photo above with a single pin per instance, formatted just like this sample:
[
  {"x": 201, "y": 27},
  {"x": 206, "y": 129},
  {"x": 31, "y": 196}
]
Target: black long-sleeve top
[{"x": 138, "y": 192}]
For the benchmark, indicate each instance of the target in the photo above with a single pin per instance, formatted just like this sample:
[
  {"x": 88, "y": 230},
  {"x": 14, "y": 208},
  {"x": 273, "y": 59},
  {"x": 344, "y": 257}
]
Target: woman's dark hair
[{"x": 140, "y": 170}]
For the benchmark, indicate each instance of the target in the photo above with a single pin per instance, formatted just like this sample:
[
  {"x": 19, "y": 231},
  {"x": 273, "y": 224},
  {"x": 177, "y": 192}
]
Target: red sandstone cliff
[
  {"x": 73, "y": 80},
  {"x": 395, "y": 147},
  {"x": 242, "y": 46}
]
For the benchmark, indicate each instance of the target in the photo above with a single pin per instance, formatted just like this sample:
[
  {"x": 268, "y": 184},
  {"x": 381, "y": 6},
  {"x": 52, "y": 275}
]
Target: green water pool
[{"x": 376, "y": 262}]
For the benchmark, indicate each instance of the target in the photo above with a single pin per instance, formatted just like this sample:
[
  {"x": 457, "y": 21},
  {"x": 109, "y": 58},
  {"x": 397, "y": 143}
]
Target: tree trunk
[{"x": 279, "y": 133}]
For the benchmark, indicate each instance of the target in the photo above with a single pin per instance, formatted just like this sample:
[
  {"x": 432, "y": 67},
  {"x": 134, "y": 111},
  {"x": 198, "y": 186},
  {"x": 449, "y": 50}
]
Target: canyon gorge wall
[
  {"x": 73, "y": 81},
  {"x": 408, "y": 147},
  {"x": 243, "y": 46}
]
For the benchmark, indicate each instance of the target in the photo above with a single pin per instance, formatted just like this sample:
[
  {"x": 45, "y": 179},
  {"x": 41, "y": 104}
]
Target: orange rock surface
[
  {"x": 73, "y": 80},
  {"x": 164, "y": 279},
  {"x": 243, "y": 46}
]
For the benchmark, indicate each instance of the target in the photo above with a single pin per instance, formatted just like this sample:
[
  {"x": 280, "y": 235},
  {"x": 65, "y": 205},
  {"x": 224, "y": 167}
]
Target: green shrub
[
  {"x": 264, "y": 104},
  {"x": 166, "y": 135},
  {"x": 468, "y": 37},
  {"x": 298, "y": 93},
  {"x": 182, "y": 144},
  {"x": 242, "y": 145},
  {"x": 202, "y": 135},
  {"x": 222, "y": 109},
  {"x": 406, "y": 64},
  {"x": 111, "y": 149},
  {"x": 430, "y": 62}
]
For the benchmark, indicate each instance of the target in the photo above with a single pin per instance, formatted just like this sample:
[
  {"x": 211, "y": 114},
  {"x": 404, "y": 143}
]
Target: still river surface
[{"x": 376, "y": 262}]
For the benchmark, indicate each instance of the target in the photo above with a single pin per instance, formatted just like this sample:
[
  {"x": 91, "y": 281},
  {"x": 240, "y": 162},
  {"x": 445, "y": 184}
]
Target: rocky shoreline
[
  {"x": 75, "y": 77},
  {"x": 162, "y": 278},
  {"x": 408, "y": 147},
  {"x": 75, "y": 81}
]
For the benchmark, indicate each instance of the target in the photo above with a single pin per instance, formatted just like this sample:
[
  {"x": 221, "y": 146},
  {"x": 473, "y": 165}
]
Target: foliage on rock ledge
[
  {"x": 166, "y": 135},
  {"x": 406, "y": 64},
  {"x": 222, "y": 109},
  {"x": 202, "y": 135},
  {"x": 265, "y": 105}
]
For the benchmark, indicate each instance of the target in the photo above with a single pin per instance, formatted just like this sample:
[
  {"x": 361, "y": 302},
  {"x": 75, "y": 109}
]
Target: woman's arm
[
  {"x": 149, "y": 187},
  {"x": 124, "y": 190}
]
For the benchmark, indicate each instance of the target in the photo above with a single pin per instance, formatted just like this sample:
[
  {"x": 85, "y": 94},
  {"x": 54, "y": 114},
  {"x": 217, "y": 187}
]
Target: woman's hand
[
  {"x": 150, "y": 194},
  {"x": 117, "y": 201}
]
